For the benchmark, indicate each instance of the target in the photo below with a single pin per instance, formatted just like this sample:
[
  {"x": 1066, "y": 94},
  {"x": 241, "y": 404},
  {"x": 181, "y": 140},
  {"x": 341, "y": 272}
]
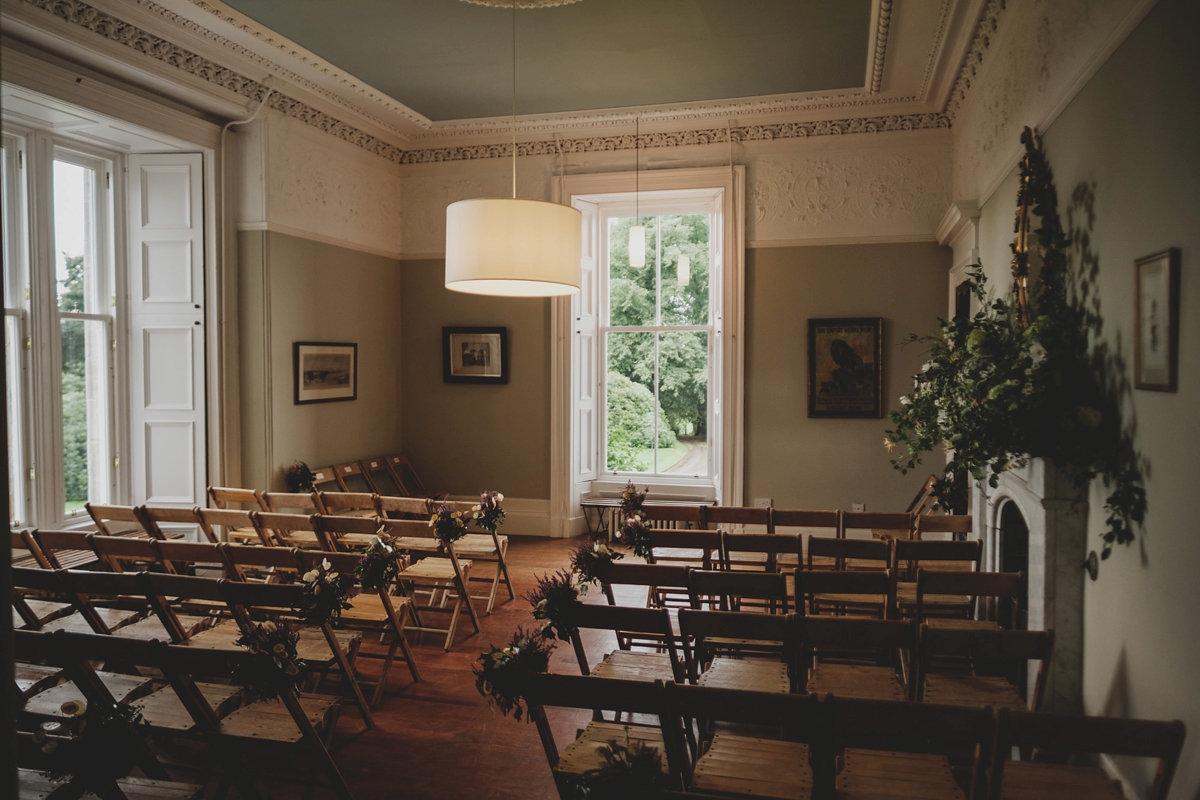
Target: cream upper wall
[
  {"x": 827, "y": 188},
  {"x": 832, "y": 463},
  {"x": 1130, "y": 135}
]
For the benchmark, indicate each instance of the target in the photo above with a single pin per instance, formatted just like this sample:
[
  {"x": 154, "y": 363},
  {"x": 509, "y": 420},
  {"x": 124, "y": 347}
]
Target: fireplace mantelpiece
[{"x": 1056, "y": 513}]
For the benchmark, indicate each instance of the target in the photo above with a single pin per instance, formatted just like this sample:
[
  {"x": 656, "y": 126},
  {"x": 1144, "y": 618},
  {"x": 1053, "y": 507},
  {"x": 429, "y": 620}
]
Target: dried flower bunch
[
  {"x": 489, "y": 514},
  {"x": 589, "y": 560},
  {"x": 449, "y": 524},
  {"x": 501, "y": 675},
  {"x": 299, "y": 477},
  {"x": 276, "y": 668},
  {"x": 556, "y": 600},
  {"x": 632, "y": 499},
  {"x": 93, "y": 746},
  {"x": 325, "y": 593},
  {"x": 631, "y": 771},
  {"x": 995, "y": 392},
  {"x": 635, "y": 533},
  {"x": 380, "y": 562}
]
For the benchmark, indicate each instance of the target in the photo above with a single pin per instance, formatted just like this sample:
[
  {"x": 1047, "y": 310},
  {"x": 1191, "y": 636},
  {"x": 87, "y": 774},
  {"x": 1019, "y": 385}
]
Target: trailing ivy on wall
[{"x": 1020, "y": 380}]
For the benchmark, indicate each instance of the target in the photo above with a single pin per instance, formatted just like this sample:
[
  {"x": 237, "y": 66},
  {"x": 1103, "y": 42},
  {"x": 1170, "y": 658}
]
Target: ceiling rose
[{"x": 522, "y": 3}]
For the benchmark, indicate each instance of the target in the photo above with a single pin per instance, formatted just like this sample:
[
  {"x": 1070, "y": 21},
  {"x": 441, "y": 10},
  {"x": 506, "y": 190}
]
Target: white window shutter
[
  {"x": 585, "y": 371},
  {"x": 166, "y": 328}
]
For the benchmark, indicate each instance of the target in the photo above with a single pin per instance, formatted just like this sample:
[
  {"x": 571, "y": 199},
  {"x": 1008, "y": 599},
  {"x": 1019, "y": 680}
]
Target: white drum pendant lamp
[
  {"x": 513, "y": 248},
  {"x": 683, "y": 271}
]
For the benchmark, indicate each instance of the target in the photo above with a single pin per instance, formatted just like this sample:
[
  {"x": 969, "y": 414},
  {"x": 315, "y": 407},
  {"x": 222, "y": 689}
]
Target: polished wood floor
[{"x": 438, "y": 738}]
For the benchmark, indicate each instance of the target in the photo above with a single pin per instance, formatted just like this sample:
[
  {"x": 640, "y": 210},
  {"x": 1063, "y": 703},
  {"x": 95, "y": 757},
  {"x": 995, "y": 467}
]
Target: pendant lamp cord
[
  {"x": 637, "y": 169},
  {"x": 514, "y": 98}
]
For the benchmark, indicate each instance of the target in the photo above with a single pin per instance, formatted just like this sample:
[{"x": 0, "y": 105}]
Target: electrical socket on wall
[
  {"x": 762, "y": 502},
  {"x": 858, "y": 507}
]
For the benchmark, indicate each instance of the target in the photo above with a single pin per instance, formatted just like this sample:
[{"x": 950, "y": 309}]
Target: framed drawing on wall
[
  {"x": 1156, "y": 328},
  {"x": 324, "y": 372},
  {"x": 475, "y": 355},
  {"x": 845, "y": 368}
]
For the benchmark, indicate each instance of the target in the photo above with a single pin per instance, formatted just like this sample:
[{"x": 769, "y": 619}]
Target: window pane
[
  {"x": 74, "y": 238},
  {"x": 683, "y": 397},
  {"x": 631, "y": 423},
  {"x": 631, "y": 290},
  {"x": 12, "y": 386},
  {"x": 684, "y": 302},
  {"x": 84, "y": 412}
]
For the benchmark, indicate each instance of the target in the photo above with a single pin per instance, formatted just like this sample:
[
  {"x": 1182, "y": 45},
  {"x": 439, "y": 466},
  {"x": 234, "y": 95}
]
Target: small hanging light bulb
[
  {"x": 637, "y": 246},
  {"x": 637, "y": 234},
  {"x": 683, "y": 270}
]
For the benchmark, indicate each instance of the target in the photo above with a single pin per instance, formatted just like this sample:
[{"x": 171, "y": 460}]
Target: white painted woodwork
[{"x": 166, "y": 328}]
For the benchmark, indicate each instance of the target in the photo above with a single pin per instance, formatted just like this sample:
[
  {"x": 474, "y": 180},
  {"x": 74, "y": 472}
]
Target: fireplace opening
[{"x": 1014, "y": 557}]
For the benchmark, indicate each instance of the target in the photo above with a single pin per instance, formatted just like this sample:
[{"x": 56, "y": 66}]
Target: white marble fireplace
[{"x": 1055, "y": 512}]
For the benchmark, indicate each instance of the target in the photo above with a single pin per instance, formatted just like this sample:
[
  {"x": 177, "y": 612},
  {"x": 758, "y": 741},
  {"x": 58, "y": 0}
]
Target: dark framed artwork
[
  {"x": 845, "y": 368},
  {"x": 1156, "y": 328},
  {"x": 475, "y": 355},
  {"x": 324, "y": 372}
]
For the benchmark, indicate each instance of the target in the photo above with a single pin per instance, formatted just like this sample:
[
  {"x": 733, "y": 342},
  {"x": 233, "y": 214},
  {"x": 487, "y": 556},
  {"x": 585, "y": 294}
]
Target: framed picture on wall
[
  {"x": 1156, "y": 328},
  {"x": 475, "y": 355},
  {"x": 845, "y": 368},
  {"x": 324, "y": 372}
]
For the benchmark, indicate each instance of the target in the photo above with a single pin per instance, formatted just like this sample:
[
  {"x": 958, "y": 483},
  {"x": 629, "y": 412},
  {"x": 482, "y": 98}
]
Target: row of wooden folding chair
[
  {"x": 836, "y": 746},
  {"x": 842, "y": 524},
  {"x": 250, "y": 740}
]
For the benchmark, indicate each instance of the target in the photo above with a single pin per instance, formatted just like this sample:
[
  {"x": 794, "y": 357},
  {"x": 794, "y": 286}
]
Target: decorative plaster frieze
[
  {"x": 989, "y": 23},
  {"x": 882, "y": 23},
  {"x": 936, "y": 46}
]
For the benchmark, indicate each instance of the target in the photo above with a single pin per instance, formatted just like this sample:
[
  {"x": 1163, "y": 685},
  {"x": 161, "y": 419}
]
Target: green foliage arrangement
[
  {"x": 995, "y": 393},
  {"x": 502, "y": 675},
  {"x": 589, "y": 560},
  {"x": 380, "y": 562},
  {"x": 555, "y": 599},
  {"x": 275, "y": 668},
  {"x": 631, "y": 771},
  {"x": 95, "y": 745},
  {"x": 325, "y": 593}
]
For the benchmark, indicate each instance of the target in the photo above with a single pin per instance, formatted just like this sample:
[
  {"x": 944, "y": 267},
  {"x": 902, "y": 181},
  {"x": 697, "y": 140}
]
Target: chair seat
[
  {"x": 973, "y": 690},
  {"x": 269, "y": 719},
  {"x": 33, "y": 785},
  {"x": 1026, "y": 780},
  {"x": 307, "y": 540},
  {"x": 34, "y": 678},
  {"x": 433, "y": 569},
  {"x": 634, "y": 665},
  {"x": 113, "y": 618},
  {"x": 883, "y": 775},
  {"x": 906, "y": 595},
  {"x": 746, "y": 766},
  {"x": 313, "y": 647},
  {"x": 242, "y": 536},
  {"x": 479, "y": 545},
  {"x": 367, "y": 607},
  {"x": 757, "y": 675},
  {"x": 858, "y": 600},
  {"x": 855, "y": 680},
  {"x": 961, "y": 624},
  {"x": 163, "y": 708},
  {"x": 49, "y": 609},
  {"x": 121, "y": 687},
  {"x": 152, "y": 628},
  {"x": 583, "y": 754},
  {"x": 219, "y": 637}
]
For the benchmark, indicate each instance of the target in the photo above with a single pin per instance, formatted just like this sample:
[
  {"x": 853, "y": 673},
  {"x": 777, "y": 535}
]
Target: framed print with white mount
[
  {"x": 324, "y": 372},
  {"x": 474, "y": 355},
  {"x": 1156, "y": 328}
]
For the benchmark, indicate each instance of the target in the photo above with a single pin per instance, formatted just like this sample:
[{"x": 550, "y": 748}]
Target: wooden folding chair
[
  {"x": 32, "y": 609},
  {"x": 171, "y": 595},
  {"x": 850, "y": 554},
  {"x": 375, "y": 611},
  {"x": 66, "y": 549},
  {"x": 1014, "y": 648},
  {"x": 305, "y": 503},
  {"x": 436, "y": 571},
  {"x": 764, "y": 549},
  {"x": 347, "y": 533},
  {"x": 1005, "y": 588},
  {"x": 154, "y": 517},
  {"x": 230, "y": 499},
  {"x": 349, "y": 504},
  {"x": 128, "y": 590},
  {"x": 324, "y": 478},
  {"x": 675, "y": 516},
  {"x": 489, "y": 547},
  {"x": 901, "y": 749},
  {"x": 806, "y": 523},
  {"x": 686, "y": 547},
  {"x": 264, "y": 564},
  {"x": 288, "y": 530},
  {"x": 122, "y": 552},
  {"x": 194, "y": 557},
  {"x": 599, "y": 695},
  {"x": 399, "y": 507},
  {"x": 733, "y": 520},
  {"x": 1064, "y": 736},
  {"x": 876, "y": 524},
  {"x": 923, "y": 501},
  {"x": 854, "y": 657},
  {"x": 351, "y": 479},
  {"x": 116, "y": 520},
  {"x": 738, "y": 765},
  {"x": 657, "y": 580},
  {"x": 731, "y": 590},
  {"x": 251, "y": 600},
  {"x": 83, "y": 617},
  {"x": 858, "y": 593},
  {"x": 651, "y": 623},
  {"x": 25, "y": 550},
  {"x": 958, "y": 527},
  {"x": 700, "y": 630},
  {"x": 910, "y": 556},
  {"x": 405, "y": 475},
  {"x": 233, "y": 525},
  {"x": 377, "y": 475}
]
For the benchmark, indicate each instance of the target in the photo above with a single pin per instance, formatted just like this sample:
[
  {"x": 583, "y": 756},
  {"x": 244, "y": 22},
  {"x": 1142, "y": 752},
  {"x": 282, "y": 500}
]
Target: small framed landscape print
[
  {"x": 324, "y": 372},
  {"x": 475, "y": 355},
  {"x": 1156, "y": 328},
  {"x": 845, "y": 367}
]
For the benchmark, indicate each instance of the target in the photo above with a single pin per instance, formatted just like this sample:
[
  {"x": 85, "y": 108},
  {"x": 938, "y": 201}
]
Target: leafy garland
[
  {"x": 324, "y": 595},
  {"x": 275, "y": 668},
  {"x": 380, "y": 563},
  {"x": 450, "y": 524},
  {"x": 556, "y": 600},
  {"x": 99, "y": 747},
  {"x": 590, "y": 560},
  {"x": 996, "y": 393},
  {"x": 502, "y": 675},
  {"x": 489, "y": 514}
]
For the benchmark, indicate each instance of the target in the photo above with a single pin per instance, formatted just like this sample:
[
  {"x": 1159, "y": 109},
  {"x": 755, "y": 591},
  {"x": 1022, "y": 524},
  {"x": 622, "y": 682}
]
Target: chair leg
[
  {"x": 377, "y": 696},
  {"x": 504, "y": 568}
]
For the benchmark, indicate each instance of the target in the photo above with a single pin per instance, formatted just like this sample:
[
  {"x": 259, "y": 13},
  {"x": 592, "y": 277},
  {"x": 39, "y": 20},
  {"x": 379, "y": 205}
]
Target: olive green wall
[
  {"x": 1130, "y": 135},
  {"x": 831, "y": 463},
  {"x": 470, "y": 437},
  {"x": 291, "y": 290}
]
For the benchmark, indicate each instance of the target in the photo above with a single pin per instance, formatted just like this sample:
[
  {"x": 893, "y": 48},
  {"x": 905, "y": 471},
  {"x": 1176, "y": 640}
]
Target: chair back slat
[
  {"x": 276, "y": 558},
  {"x": 986, "y": 643},
  {"x": 842, "y": 549},
  {"x": 771, "y": 544},
  {"x": 103, "y": 515},
  {"x": 899, "y": 525},
  {"x": 801, "y": 518},
  {"x": 203, "y": 554},
  {"x": 350, "y": 478},
  {"x": 325, "y": 478},
  {"x": 864, "y": 583},
  {"x": 945, "y": 523},
  {"x": 216, "y": 523},
  {"x": 278, "y": 526},
  {"x": 334, "y": 502},
  {"x": 190, "y": 587},
  {"x": 737, "y": 515},
  {"x": 228, "y": 497},
  {"x": 698, "y": 624},
  {"x": 675, "y": 515},
  {"x": 114, "y": 550},
  {"x": 657, "y": 575},
  {"x": 22, "y": 540},
  {"x": 379, "y": 477},
  {"x": 733, "y": 587},
  {"x": 416, "y": 506},
  {"x": 305, "y": 502},
  {"x": 154, "y": 517}
]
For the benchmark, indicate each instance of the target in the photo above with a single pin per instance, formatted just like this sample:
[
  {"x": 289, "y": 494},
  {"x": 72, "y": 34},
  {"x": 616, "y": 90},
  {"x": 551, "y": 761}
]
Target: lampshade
[
  {"x": 683, "y": 271},
  {"x": 513, "y": 248},
  {"x": 637, "y": 246}
]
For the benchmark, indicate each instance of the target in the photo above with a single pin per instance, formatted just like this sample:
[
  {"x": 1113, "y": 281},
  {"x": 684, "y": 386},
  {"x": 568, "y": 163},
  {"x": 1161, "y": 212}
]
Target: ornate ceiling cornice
[
  {"x": 82, "y": 14},
  {"x": 882, "y": 23}
]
